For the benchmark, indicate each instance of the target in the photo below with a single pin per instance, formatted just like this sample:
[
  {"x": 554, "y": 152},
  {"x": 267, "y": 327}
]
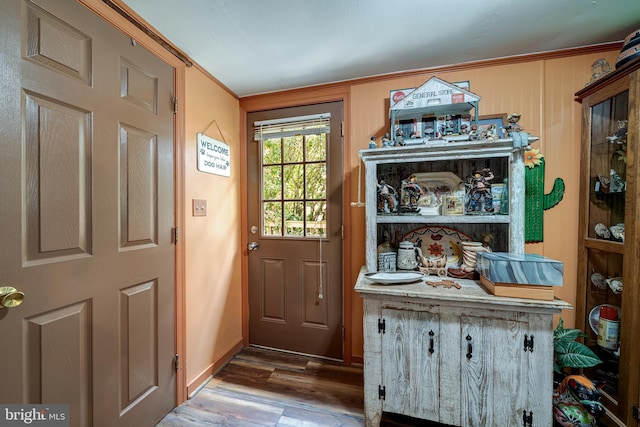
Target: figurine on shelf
[
  {"x": 513, "y": 125},
  {"x": 612, "y": 184},
  {"x": 433, "y": 265},
  {"x": 372, "y": 142},
  {"x": 599, "y": 68},
  {"x": 411, "y": 193},
  {"x": 492, "y": 132},
  {"x": 399, "y": 137},
  {"x": 620, "y": 136},
  {"x": 516, "y": 132},
  {"x": 386, "y": 197},
  {"x": 474, "y": 133},
  {"x": 449, "y": 126},
  {"x": 479, "y": 190},
  {"x": 386, "y": 141},
  {"x": 429, "y": 133},
  {"x": 617, "y": 232},
  {"x": 616, "y": 183}
]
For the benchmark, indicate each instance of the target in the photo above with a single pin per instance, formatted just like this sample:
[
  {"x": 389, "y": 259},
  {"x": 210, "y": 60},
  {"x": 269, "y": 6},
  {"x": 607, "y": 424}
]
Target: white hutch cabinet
[{"x": 460, "y": 357}]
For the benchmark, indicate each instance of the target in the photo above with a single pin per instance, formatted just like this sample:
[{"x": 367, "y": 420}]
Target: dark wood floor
[{"x": 261, "y": 387}]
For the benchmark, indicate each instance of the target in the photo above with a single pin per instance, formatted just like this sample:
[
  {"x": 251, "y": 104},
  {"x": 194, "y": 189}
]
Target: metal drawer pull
[{"x": 469, "y": 347}]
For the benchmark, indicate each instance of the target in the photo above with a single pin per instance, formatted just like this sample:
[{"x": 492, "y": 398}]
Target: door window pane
[
  {"x": 271, "y": 151},
  {"x": 294, "y": 186},
  {"x": 272, "y": 182},
  {"x": 293, "y": 182},
  {"x": 316, "y": 181},
  {"x": 316, "y": 148},
  {"x": 293, "y": 149},
  {"x": 294, "y": 218},
  {"x": 272, "y": 219},
  {"x": 316, "y": 214}
]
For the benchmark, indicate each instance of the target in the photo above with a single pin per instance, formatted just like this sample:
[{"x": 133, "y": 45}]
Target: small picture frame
[
  {"x": 496, "y": 119},
  {"x": 496, "y": 193},
  {"x": 453, "y": 205}
]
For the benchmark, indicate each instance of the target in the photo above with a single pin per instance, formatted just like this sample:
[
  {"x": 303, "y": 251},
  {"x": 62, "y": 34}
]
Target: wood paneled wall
[{"x": 539, "y": 87}]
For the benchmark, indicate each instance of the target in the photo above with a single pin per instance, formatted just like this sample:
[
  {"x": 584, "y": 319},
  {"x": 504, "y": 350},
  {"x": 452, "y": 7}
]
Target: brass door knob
[{"x": 10, "y": 297}]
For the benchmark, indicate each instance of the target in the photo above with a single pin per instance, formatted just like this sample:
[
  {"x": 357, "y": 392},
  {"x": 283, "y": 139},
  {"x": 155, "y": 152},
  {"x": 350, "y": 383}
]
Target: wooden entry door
[
  {"x": 86, "y": 215},
  {"x": 295, "y": 221}
]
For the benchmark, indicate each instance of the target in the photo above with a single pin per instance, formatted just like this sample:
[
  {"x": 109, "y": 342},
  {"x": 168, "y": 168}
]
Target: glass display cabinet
[{"x": 608, "y": 248}]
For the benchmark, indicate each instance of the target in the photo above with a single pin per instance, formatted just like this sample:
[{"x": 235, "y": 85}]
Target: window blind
[{"x": 281, "y": 128}]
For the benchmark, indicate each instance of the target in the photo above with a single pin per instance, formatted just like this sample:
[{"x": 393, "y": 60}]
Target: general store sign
[
  {"x": 433, "y": 93},
  {"x": 213, "y": 156}
]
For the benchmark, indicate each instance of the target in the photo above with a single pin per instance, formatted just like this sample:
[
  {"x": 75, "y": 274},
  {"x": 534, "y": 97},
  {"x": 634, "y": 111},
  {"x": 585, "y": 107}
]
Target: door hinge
[
  {"x": 175, "y": 105},
  {"x": 381, "y": 326},
  {"x": 174, "y": 235},
  {"x": 342, "y": 231},
  {"x": 342, "y": 129},
  {"x": 382, "y": 392},
  {"x": 177, "y": 361},
  {"x": 636, "y": 413},
  {"x": 528, "y": 343},
  {"x": 527, "y": 420}
]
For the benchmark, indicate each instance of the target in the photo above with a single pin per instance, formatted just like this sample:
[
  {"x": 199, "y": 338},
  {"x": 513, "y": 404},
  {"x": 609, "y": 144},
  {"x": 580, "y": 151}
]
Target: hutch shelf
[{"x": 461, "y": 158}]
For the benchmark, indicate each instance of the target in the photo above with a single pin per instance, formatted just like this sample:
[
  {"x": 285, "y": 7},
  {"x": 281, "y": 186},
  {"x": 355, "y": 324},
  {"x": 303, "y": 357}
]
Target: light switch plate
[{"x": 199, "y": 207}]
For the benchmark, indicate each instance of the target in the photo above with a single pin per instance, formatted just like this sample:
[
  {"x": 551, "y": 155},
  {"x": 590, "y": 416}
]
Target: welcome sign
[{"x": 213, "y": 156}]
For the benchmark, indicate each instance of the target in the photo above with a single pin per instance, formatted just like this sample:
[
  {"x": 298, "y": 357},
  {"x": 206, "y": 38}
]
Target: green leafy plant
[{"x": 568, "y": 353}]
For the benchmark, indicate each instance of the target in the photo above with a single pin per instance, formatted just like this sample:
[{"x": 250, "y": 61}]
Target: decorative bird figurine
[{"x": 576, "y": 402}]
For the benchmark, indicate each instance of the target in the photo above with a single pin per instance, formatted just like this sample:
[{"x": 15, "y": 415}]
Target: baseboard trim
[{"x": 203, "y": 377}]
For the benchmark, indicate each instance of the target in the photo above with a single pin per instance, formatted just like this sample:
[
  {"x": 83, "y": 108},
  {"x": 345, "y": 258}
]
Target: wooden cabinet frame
[{"x": 621, "y": 410}]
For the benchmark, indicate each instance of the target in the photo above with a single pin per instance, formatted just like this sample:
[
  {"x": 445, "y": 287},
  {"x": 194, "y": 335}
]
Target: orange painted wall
[
  {"x": 542, "y": 91},
  {"x": 212, "y": 243}
]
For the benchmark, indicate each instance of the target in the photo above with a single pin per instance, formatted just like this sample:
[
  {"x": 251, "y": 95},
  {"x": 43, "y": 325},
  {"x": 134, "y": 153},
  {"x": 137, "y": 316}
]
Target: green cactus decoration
[{"x": 536, "y": 202}]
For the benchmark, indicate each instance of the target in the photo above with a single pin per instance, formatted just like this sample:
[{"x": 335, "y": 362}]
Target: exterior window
[{"x": 294, "y": 185}]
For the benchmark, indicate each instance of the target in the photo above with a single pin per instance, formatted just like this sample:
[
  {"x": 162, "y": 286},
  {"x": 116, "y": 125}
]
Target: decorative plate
[
  {"x": 395, "y": 277},
  {"x": 594, "y": 316},
  {"x": 435, "y": 241}
]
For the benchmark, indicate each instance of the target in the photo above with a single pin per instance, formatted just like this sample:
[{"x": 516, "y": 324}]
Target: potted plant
[
  {"x": 569, "y": 353},
  {"x": 576, "y": 400}
]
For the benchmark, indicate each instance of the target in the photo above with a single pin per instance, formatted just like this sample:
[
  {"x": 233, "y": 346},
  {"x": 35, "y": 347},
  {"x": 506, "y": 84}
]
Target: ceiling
[{"x": 261, "y": 46}]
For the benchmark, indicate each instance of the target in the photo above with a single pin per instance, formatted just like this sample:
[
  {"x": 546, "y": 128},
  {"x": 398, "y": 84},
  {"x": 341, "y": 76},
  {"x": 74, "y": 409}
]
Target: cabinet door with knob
[
  {"x": 411, "y": 362},
  {"x": 500, "y": 372}
]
